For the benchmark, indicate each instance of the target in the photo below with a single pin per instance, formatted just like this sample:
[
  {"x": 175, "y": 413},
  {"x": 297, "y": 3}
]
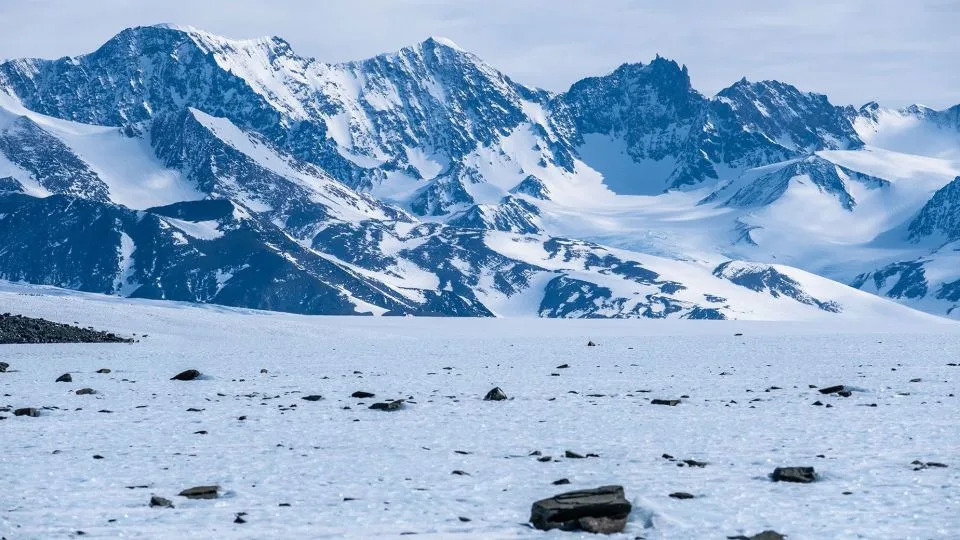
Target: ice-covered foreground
[{"x": 395, "y": 467}]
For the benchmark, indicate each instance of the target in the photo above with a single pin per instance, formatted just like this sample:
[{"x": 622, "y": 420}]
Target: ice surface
[{"x": 397, "y": 465}]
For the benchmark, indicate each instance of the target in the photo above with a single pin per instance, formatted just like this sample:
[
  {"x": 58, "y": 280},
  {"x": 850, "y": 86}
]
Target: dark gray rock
[
  {"x": 3, "y": 367},
  {"x": 601, "y": 510},
  {"x": 156, "y": 501},
  {"x": 802, "y": 475},
  {"x": 103, "y": 371},
  {"x": 85, "y": 391},
  {"x": 312, "y": 397},
  {"x": 187, "y": 375},
  {"x": 20, "y": 329},
  {"x": 495, "y": 395},
  {"x": 561, "y": 482},
  {"x": 394, "y": 405},
  {"x": 832, "y": 389},
  {"x": 65, "y": 378},
  {"x": 670, "y": 402},
  {"x": 681, "y": 495},
  {"x": 572, "y": 455},
  {"x": 27, "y": 411},
  {"x": 765, "y": 535},
  {"x": 201, "y": 492},
  {"x": 362, "y": 395}
]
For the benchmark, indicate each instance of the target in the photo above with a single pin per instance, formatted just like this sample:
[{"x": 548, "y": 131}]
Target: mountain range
[{"x": 174, "y": 164}]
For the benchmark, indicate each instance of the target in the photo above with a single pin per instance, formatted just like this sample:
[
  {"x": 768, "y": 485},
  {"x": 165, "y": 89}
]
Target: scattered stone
[
  {"x": 681, "y": 495},
  {"x": 803, "y": 475},
  {"x": 28, "y": 411},
  {"x": 187, "y": 375},
  {"x": 394, "y": 405},
  {"x": 695, "y": 463},
  {"x": 844, "y": 393},
  {"x": 103, "y": 371},
  {"x": 65, "y": 378},
  {"x": 284, "y": 505},
  {"x": 670, "y": 402},
  {"x": 85, "y": 391},
  {"x": 818, "y": 403},
  {"x": 4, "y": 367},
  {"x": 832, "y": 389},
  {"x": 201, "y": 492},
  {"x": 97, "y": 456},
  {"x": 464, "y": 519},
  {"x": 460, "y": 473},
  {"x": 602, "y": 510},
  {"x": 313, "y": 397},
  {"x": 919, "y": 465},
  {"x": 572, "y": 455},
  {"x": 201, "y": 432},
  {"x": 495, "y": 395},
  {"x": 544, "y": 459},
  {"x": 239, "y": 518},
  {"x": 591, "y": 344},
  {"x": 563, "y": 366},
  {"x": 916, "y": 380},
  {"x": 561, "y": 482},
  {"x": 156, "y": 501},
  {"x": 362, "y": 395}
]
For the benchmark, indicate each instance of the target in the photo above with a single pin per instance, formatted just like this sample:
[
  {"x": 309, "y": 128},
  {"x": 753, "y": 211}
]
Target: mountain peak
[{"x": 443, "y": 42}]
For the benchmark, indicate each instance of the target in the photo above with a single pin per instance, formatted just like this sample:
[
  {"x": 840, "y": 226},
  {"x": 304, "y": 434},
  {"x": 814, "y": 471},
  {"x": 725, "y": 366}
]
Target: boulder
[
  {"x": 681, "y": 495},
  {"x": 4, "y": 367},
  {"x": 156, "y": 501},
  {"x": 27, "y": 411},
  {"x": 394, "y": 405},
  {"x": 314, "y": 397},
  {"x": 201, "y": 492},
  {"x": 670, "y": 402},
  {"x": 832, "y": 389},
  {"x": 103, "y": 371},
  {"x": 187, "y": 375},
  {"x": 601, "y": 510},
  {"x": 65, "y": 378},
  {"x": 802, "y": 475},
  {"x": 362, "y": 395},
  {"x": 495, "y": 395},
  {"x": 765, "y": 535},
  {"x": 85, "y": 391}
]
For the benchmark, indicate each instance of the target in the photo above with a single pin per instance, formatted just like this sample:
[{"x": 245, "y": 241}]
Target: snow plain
[{"x": 396, "y": 466}]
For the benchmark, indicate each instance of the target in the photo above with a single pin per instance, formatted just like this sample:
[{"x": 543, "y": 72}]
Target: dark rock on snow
[
  {"x": 394, "y": 405},
  {"x": 27, "y": 411},
  {"x": 156, "y": 501},
  {"x": 312, "y": 398},
  {"x": 85, "y": 391},
  {"x": 832, "y": 389},
  {"x": 601, "y": 510},
  {"x": 495, "y": 395},
  {"x": 3, "y": 367},
  {"x": 803, "y": 475},
  {"x": 187, "y": 375},
  {"x": 362, "y": 395},
  {"x": 671, "y": 402},
  {"x": 20, "y": 329},
  {"x": 103, "y": 371},
  {"x": 681, "y": 495},
  {"x": 65, "y": 378},
  {"x": 201, "y": 492},
  {"x": 765, "y": 535}
]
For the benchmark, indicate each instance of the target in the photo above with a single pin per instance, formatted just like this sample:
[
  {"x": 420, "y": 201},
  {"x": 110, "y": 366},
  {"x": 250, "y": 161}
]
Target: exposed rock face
[{"x": 601, "y": 510}]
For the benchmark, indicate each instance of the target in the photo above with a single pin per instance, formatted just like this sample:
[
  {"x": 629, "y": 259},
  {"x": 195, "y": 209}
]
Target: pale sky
[{"x": 894, "y": 52}]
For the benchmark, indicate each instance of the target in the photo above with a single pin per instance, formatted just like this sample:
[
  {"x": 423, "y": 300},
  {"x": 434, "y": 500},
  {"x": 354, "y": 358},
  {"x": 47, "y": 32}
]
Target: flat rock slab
[
  {"x": 201, "y": 492},
  {"x": 359, "y": 394},
  {"x": 187, "y": 375},
  {"x": 670, "y": 402},
  {"x": 832, "y": 389},
  {"x": 312, "y": 398},
  {"x": 801, "y": 475},
  {"x": 601, "y": 510}
]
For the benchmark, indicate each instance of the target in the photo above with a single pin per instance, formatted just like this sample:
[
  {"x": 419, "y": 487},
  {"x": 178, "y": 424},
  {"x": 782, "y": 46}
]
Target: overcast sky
[{"x": 896, "y": 52}]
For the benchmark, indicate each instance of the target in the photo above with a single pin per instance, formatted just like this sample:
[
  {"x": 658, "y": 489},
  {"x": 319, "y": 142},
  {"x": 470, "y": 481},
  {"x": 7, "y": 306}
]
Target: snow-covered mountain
[{"x": 175, "y": 164}]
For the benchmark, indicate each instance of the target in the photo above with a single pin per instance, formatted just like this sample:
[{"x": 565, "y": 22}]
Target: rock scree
[{"x": 18, "y": 329}]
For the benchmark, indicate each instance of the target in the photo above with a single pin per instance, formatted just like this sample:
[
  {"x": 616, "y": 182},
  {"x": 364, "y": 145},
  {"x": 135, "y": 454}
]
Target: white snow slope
[{"x": 350, "y": 472}]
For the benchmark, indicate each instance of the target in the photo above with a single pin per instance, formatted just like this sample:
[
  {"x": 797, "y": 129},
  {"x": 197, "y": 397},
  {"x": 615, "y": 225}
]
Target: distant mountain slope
[{"x": 172, "y": 163}]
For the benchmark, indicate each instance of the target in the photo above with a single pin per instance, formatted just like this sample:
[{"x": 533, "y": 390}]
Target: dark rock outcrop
[
  {"x": 20, "y": 329},
  {"x": 495, "y": 394},
  {"x": 802, "y": 475},
  {"x": 187, "y": 375}
]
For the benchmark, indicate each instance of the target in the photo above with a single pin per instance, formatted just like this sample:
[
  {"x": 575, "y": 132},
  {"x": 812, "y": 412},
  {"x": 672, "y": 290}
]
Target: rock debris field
[{"x": 333, "y": 427}]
